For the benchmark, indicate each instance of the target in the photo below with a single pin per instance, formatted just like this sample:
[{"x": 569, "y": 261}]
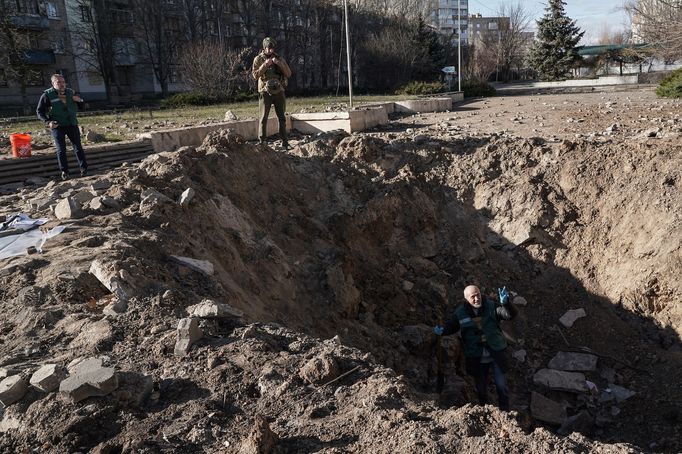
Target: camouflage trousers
[{"x": 265, "y": 101}]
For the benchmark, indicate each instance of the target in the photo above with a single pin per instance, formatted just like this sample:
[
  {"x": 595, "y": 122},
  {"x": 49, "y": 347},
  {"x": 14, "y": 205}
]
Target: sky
[{"x": 591, "y": 16}]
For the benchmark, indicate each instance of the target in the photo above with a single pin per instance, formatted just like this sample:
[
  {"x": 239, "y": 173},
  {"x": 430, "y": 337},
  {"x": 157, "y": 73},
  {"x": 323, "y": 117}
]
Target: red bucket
[{"x": 21, "y": 145}]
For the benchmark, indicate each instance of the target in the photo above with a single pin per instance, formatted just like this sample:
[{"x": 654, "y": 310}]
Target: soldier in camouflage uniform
[{"x": 271, "y": 72}]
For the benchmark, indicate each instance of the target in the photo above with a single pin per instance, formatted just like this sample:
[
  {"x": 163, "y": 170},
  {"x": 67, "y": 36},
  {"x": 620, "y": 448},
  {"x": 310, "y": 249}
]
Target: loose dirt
[{"x": 342, "y": 253}]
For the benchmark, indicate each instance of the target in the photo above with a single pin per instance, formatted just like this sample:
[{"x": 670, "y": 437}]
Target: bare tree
[
  {"x": 160, "y": 30},
  {"x": 97, "y": 29},
  {"x": 514, "y": 38},
  {"x": 657, "y": 23},
  {"x": 214, "y": 70}
]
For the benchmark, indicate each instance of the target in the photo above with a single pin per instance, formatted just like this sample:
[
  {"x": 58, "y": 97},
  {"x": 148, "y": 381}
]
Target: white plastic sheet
[{"x": 13, "y": 245}]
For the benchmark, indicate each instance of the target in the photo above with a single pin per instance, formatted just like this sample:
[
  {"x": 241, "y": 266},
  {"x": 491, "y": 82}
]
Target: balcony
[
  {"x": 40, "y": 57},
  {"x": 30, "y": 22}
]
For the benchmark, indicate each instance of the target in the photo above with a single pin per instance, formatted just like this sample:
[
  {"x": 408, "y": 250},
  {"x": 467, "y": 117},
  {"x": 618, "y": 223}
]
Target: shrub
[
  {"x": 671, "y": 85},
  {"x": 477, "y": 88},
  {"x": 421, "y": 88},
  {"x": 188, "y": 99}
]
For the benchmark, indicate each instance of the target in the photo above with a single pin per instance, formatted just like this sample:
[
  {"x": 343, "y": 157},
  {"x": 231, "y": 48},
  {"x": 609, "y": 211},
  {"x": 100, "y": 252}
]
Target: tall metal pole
[
  {"x": 459, "y": 44},
  {"x": 350, "y": 71}
]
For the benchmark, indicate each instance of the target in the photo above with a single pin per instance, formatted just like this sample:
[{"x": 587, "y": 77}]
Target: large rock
[
  {"x": 560, "y": 380},
  {"x": 68, "y": 208},
  {"x": 569, "y": 318},
  {"x": 47, "y": 378},
  {"x": 188, "y": 333},
  {"x": 202, "y": 266},
  {"x": 12, "y": 389},
  {"x": 210, "y": 309},
  {"x": 320, "y": 370},
  {"x": 547, "y": 410},
  {"x": 573, "y": 361},
  {"x": 89, "y": 379}
]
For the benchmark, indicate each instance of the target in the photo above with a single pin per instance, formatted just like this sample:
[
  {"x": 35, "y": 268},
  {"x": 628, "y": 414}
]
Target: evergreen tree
[{"x": 554, "y": 52}]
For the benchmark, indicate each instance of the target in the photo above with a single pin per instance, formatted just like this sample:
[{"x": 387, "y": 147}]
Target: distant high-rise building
[{"x": 444, "y": 16}]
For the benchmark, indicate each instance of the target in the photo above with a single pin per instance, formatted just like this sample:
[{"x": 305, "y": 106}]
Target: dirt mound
[{"x": 367, "y": 242}]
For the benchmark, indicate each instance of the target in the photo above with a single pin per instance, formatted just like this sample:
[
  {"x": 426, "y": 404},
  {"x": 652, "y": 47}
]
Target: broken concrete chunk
[
  {"x": 108, "y": 276},
  {"x": 89, "y": 380},
  {"x": 186, "y": 197},
  {"x": 79, "y": 364},
  {"x": 47, "y": 378},
  {"x": 619, "y": 392},
  {"x": 151, "y": 197},
  {"x": 230, "y": 116},
  {"x": 83, "y": 197},
  {"x": 519, "y": 301},
  {"x": 320, "y": 370},
  {"x": 115, "y": 308},
  {"x": 560, "y": 380},
  {"x": 188, "y": 333},
  {"x": 569, "y": 318},
  {"x": 68, "y": 208},
  {"x": 12, "y": 389},
  {"x": 573, "y": 361},
  {"x": 202, "y": 266},
  {"x": 546, "y": 410},
  {"x": 210, "y": 309},
  {"x": 100, "y": 185}
]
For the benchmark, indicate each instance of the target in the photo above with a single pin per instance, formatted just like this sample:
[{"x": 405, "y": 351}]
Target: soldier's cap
[{"x": 269, "y": 42}]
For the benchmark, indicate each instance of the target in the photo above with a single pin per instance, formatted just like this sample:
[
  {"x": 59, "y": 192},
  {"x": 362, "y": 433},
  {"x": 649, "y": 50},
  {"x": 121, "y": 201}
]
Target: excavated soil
[{"x": 342, "y": 253}]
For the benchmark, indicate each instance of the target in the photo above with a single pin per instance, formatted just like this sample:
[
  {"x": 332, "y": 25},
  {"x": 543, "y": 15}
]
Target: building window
[
  {"x": 27, "y": 6},
  {"x": 51, "y": 9},
  {"x": 3, "y": 78},
  {"x": 122, "y": 16},
  {"x": 34, "y": 78}
]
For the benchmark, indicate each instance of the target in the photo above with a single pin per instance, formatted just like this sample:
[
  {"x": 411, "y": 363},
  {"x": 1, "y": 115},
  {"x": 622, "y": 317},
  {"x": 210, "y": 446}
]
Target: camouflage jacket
[{"x": 279, "y": 71}]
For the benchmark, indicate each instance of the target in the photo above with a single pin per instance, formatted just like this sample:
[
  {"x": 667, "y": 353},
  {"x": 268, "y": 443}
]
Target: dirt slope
[{"x": 366, "y": 241}]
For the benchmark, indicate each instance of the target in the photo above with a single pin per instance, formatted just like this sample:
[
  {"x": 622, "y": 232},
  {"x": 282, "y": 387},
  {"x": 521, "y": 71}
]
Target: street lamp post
[
  {"x": 350, "y": 72},
  {"x": 459, "y": 44}
]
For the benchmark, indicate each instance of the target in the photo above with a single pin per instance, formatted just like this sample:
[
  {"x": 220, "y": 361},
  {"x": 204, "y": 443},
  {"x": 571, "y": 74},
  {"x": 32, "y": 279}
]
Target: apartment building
[
  {"x": 39, "y": 31},
  {"x": 449, "y": 16}
]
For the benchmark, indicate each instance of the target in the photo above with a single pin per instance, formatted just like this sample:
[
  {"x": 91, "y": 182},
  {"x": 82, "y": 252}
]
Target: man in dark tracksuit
[
  {"x": 272, "y": 72},
  {"x": 478, "y": 321},
  {"x": 58, "y": 107}
]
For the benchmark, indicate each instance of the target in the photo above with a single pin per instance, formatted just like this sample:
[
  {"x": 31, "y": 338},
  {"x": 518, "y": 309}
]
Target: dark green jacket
[{"x": 64, "y": 115}]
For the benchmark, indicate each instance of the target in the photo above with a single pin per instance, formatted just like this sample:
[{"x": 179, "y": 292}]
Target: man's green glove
[{"x": 503, "y": 294}]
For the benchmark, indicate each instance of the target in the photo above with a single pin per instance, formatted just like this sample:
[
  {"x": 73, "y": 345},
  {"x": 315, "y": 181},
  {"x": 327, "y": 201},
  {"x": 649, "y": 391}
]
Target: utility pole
[
  {"x": 459, "y": 44},
  {"x": 350, "y": 71}
]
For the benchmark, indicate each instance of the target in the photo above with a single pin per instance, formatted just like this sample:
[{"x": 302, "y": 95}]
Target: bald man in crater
[{"x": 478, "y": 321}]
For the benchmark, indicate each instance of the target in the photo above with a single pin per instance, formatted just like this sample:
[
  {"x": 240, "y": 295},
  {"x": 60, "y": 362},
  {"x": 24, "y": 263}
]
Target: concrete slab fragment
[
  {"x": 211, "y": 309},
  {"x": 12, "y": 389},
  {"x": 570, "y": 317},
  {"x": 561, "y": 380},
  {"x": 573, "y": 361},
  {"x": 546, "y": 410},
  {"x": 47, "y": 378}
]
